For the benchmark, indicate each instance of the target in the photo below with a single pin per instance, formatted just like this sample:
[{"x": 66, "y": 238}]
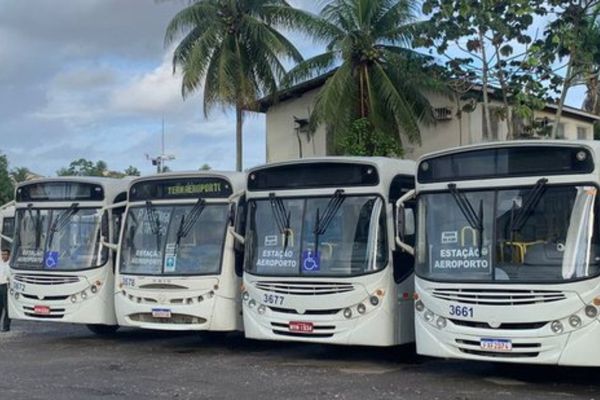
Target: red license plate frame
[{"x": 301, "y": 326}]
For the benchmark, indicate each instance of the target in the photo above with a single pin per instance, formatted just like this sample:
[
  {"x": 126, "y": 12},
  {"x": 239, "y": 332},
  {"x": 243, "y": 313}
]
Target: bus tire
[{"x": 103, "y": 330}]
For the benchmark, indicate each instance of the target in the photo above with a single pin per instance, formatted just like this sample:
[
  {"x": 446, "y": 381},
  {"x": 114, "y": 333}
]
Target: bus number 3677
[
  {"x": 273, "y": 299},
  {"x": 460, "y": 311}
]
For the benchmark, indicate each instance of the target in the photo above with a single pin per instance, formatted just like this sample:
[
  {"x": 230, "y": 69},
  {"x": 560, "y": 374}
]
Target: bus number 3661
[
  {"x": 460, "y": 311},
  {"x": 273, "y": 299}
]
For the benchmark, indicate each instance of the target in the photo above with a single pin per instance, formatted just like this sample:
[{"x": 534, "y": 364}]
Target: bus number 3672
[
  {"x": 461, "y": 311},
  {"x": 273, "y": 299}
]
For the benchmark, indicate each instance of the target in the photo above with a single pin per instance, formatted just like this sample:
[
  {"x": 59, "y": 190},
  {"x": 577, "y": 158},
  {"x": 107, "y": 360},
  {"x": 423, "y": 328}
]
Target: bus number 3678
[
  {"x": 460, "y": 311},
  {"x": 273, "y": 299}
]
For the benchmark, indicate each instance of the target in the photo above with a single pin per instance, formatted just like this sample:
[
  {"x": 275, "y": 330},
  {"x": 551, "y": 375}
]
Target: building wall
[{"x": 282, "y": 141}]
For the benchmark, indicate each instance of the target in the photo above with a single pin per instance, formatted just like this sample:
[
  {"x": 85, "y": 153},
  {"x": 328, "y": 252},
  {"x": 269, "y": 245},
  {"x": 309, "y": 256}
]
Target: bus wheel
[{"x": 103, "y": 330}]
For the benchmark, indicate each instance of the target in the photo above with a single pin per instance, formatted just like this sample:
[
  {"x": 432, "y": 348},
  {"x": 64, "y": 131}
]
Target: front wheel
[{"x": 103, "y": 330}]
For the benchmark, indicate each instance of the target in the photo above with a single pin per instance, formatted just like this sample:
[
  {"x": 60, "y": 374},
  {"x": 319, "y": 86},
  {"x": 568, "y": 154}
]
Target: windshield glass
[
  {"x": 166, "y": 247},
  {"x": 534, "y": 234},
  {"x": 352, "y": 242},
  {"x": 56, "y": 239}
]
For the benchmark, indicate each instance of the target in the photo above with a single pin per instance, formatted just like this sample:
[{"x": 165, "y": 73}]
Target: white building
[{"x": 287, "y": 137}]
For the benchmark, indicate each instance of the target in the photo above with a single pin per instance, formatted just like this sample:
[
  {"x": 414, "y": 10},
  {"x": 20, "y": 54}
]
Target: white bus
[
  {"x": 320, "y": 260},
  {"x": 508, "y": 253},
  {"x": 179, "y": 266},
  {"x": 7, "y": 225},
  {"x": 61, "y": 265}
]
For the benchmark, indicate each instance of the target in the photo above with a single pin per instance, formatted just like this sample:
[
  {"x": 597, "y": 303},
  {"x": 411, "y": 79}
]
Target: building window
[{"x": 582, "y": 133}]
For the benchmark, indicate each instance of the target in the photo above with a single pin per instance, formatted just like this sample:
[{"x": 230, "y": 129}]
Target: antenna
[{"x": 159, "y": 160}]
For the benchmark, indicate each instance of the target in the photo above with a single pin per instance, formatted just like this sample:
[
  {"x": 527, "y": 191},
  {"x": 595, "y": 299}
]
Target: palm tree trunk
[{"x": 239, "y": 121}]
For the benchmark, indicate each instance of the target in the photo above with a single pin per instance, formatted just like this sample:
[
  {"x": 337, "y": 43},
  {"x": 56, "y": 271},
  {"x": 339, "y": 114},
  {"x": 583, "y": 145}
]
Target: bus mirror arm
[
  {"x": 108, "y": 245},
  {"x": 7, "y": 238},
  {"x": 239, "y": 238},
  {"x": 401, "y": 223}
]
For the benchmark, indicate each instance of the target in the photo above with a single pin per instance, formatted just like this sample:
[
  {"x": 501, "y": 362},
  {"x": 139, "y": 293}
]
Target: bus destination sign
[{"x": 180, "y": 188}]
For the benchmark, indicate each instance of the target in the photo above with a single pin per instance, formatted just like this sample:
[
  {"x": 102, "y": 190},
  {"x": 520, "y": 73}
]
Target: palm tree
[
  {"x": 20, "y": 174},
  {"x": 376, "y": 74},
  {"x": 231, "y": 49}
]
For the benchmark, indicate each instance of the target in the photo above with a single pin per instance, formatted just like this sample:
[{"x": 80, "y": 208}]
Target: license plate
[
  {"x": 496, "y": 344},
  {"x": 298, "y": 326},
  {"x": 41, "y": 310},
  {"x": 161, "y": 313}
]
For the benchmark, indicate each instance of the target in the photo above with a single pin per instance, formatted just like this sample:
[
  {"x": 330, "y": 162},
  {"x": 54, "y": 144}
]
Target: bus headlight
[
  {"x": 94, "y": 289},
  {"x": 361, "y": 308},
  {"x": 556, "y": 326},
  {"x": 374, "y": 300},
  {"x": 190, "y": 300},
  {"x": 73, "y": 299},
  {"x": 419, "y": 306},
  {"x": 591, "y": 311},
  {"x": 12, "y": 292},
  {"x": 428, "y": 316},
  {"x": 245, "y": 296},
  {"x": 441, "y": 322},
  {"x": 347, "y": 313},
  {"x": 252, "y": 303},
  {"x": 575, "y": 321},
  {"x": 84, "y": 295},
  {"x": 17, "y": 296},
  {"x": 200, "y": 298},
  {"x": 261, "y": 309}
]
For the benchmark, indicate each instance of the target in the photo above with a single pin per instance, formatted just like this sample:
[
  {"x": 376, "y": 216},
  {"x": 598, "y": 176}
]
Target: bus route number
[
  {"x": 273, "y": 299},
  {"x": 461, "y": 311}
]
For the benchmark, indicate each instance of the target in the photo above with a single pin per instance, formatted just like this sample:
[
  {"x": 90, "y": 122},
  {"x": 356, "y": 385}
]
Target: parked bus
[
  {"x": 507, "y": 253},
  {"x": 320, "y": 261},
  {"x": 7, "y": 225},
  {"x": 179, "y": 265},
  {"x": 61, "y": 264}
]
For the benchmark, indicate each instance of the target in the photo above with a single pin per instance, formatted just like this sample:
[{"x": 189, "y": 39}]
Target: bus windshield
[
  {"x": 534, "y": 234},
  {"x": 57, "y": 239},
  {"x": 320, "y": 236},
  {"x": 174, "y": 240}
]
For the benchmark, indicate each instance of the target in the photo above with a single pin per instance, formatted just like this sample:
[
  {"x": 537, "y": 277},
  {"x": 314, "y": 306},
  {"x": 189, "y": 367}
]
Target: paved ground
[{"x": 53, "y": 361}]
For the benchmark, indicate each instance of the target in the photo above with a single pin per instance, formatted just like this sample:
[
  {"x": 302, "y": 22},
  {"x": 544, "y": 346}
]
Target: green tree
[
  {"x": 572, "y": 35},
  {"x": 364, "y": 140},
  {"x": 205, "y": 167},
  {"x": 132, "y": 171},
  {"x": 6, "y": 186},
  {"x": 232, "y": 50},
  {"x": 488, "y": 43},
  {"x": 20, "y": 174},
  {"x": 84, "y": 167},
  {"x": 377, "y": 75}
]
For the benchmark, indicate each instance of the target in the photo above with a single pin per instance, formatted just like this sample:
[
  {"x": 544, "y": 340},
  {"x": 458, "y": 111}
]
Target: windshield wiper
[
  {"x": 282, "y": 218},
  {"x": 323, "y": 223},
  {"x": 475, "y": 220},
  {"x": 154, "y": 221},
  {"x": 533, "y": 198},
  {"x": 187, "y": 222},
  {"x": 37, "y": 223},
  {"x": 60, "y": 222}
]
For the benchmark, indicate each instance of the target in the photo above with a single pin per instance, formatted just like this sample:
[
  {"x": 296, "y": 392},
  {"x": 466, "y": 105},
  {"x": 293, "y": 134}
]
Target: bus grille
[
  {"x": 507, "y": 325},
  {"x": 319, "y": 331},
  {"x": 499, "y": 297},
  {"x": 305, "y": 288},
  {"x": 48, "y": 298},
  {"x": 307, "y": 312},
  {"x": 175, "y": 319},
  {"x": 520, "y": 350},
  {"x": 41, "y": 279}
]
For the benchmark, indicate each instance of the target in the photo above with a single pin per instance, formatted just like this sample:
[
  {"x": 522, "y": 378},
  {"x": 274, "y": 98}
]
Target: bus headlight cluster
[
  {"x": 591, "y": 311},
  {"x": 364, "y": 306},
  {"x": 429, "y": 316},
  {"x": 574, "y": 321},
  {"x": 556, "y": 326}
]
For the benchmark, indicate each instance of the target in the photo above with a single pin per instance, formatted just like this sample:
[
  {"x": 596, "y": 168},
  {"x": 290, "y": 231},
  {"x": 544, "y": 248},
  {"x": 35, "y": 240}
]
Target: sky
[{"x": 93, "y": 79}]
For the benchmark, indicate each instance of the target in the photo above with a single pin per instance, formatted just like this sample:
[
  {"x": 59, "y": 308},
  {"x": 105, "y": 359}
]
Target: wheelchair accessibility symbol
[
  {"x": 51, "y": 259},
  {"x": 311, "y": 261}
]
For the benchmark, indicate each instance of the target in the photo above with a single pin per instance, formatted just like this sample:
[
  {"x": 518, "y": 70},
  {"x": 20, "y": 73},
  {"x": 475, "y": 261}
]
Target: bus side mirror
[
  {"x": 238, "y": 238},
  {"x": 110, "y": 246},
  {"x": 405, "y": 223}
]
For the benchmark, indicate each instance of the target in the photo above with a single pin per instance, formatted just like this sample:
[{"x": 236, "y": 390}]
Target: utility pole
[{"x": 159, "y": 161}]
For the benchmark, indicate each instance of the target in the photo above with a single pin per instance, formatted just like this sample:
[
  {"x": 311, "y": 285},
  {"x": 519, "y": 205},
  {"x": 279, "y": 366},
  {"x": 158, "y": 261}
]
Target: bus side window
[
  {"x": 403, "y": 263},
  {"x": 240, "y": 228}
]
